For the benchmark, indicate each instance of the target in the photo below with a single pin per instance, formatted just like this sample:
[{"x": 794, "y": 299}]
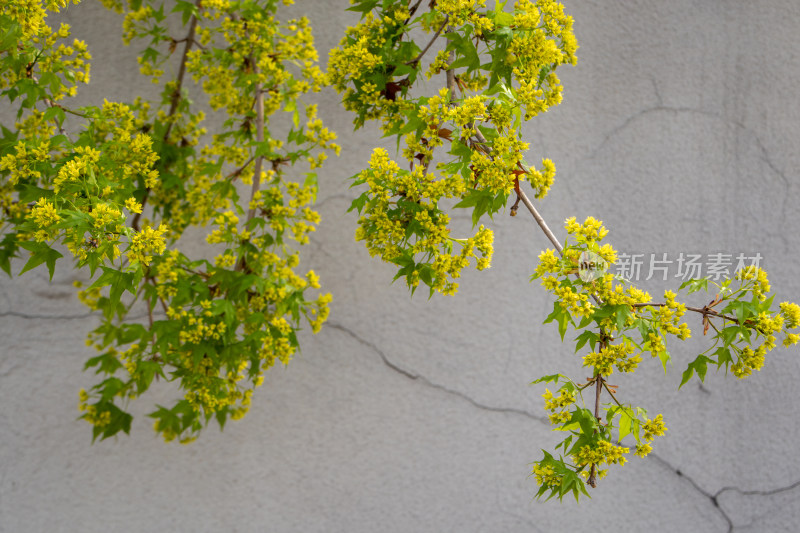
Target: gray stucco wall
[{"x": 679, "y": 129}]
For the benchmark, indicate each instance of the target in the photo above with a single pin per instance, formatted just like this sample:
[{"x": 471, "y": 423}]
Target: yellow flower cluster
[
  {"x": 403, "y": 220},
  {"x": 557, "y": 405},
  {"x": 31, "y": 17},
  {"x": 749, "y": 360},
  {"x": 546, "y": 476},
  {"x": 356, "y": 64},
  {"x": 90, "y": 412},
  {"x": 22, "y": 165},
  {"x": 575, "y": 302},
  {"x": 603, "y": 452},
  {"x": 791, "y": 317},
  {"x": 439, "y": 63},
  {"x": 654, "y": 428},
  {"x": 74, "y": 169},
  {"x": 613, "y": 355},
  {"x": 757, "y": 278},
  {"x": 543, "y": 40},
  {"x": 791, "y": 314},
  {"x": 44, "y": 215},
  {"x": 106, "y": 217},
  {"x": 146, "y": 242},
  {"x": 592, "y": 230},
  {"x": 251, "y": 298},
  {"x": 133, "y": 205},
  {"x": 667, "y": 318},
  {"x": 402, "y": 217},
  {"x": 642, "y": 449}
]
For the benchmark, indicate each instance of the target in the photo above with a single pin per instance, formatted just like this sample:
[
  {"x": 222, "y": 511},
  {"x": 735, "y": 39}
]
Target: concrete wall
[{"x": 679, "y": 128}]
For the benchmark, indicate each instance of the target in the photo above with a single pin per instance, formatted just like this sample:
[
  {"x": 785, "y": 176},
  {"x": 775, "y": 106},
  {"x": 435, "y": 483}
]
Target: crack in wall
[
  {"x": 769, "y": 492},
  {"x": 414, "y": 376},
  {"x": 765, "y": 156},
  {"x": 711, "y": 497},
  {"x": 714, "y": 498},
  {"x": 29, "y": 316},
  {"x": 422, "y": 379},
  {"x": 661, "y": 108}
]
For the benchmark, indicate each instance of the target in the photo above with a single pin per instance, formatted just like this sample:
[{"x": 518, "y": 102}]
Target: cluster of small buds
[
  {"x": 91, "y": 413},
  {"x": 546, "y": 476},
  {"x": 603, "y": 452},
  {"x": 758, "y": 278},
  {"x": 612, "y": 355},
  {"x": 558, "y": 405}
]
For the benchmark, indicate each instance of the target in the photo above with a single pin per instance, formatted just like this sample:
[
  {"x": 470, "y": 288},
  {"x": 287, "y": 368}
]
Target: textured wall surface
[{"x": 679, "y": 129}]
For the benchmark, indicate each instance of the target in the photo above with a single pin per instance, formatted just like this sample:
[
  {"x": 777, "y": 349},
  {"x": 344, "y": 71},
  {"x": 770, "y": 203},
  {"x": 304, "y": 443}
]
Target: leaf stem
[{"x": 612, "y": 394}]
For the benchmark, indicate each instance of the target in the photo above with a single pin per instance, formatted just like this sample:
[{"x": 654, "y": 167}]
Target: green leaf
[
  {"x": 501, "y": 18},
  {"x": 698, "y": 366},
  {"x": 41, "y": 253},
  {"x": 106, "y": 363},
  {"x": 56, "y": 113},
  {"x": 624, "y": 427},
  {"x": 548, "y": 379},
  {"x": 730, "y": 334},
  {"x": 665, "y": 358},
  {"x": 723, "y": 356},
  {"x": 187, "y": 9},
  {"x": 364, "y": 6},
  {"x": 471, "y": 200},
  {"x": 695, "y": 285},
  {"x": 585, "y": 337},
  {"x": 561, "y": 316}
]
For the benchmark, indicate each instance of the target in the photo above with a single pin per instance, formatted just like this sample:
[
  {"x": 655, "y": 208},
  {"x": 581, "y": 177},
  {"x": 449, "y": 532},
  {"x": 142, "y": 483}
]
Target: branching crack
[
  {"x": 422, "y": 379},
  {"x": 769, "y": 492},
  {"x": 414, "y": 376},
  {"x": 661, "y": 108},
  {"x": 714, "y": 498}
]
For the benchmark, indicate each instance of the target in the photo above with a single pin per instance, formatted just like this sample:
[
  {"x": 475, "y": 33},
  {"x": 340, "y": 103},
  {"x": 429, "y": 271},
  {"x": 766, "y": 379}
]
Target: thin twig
[
  {"x": 235, "y": 173},
  {"x": 539, "y": 219},
  {"x": 412, "y": 10},
  {"x": 705, "y": 311},
  {"x": 451, "y": 76},
  {"x": 598, "y": 390},
  {"x": 259, "y": 139},
  {"x": 49, "y": 103},
  {"x": 176, "y": 97},
  {"x": 521, "y": 194},
  {"x": 152, "y": 281},
  {"x": 599, "y": 382},
  {"x": 430, "y": 43},
  {"x": 612, "y": 394}
]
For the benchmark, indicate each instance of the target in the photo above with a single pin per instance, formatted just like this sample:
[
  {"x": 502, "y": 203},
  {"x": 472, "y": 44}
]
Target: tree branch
[
  {"x": 539, "y": 220},
  {"x": 259, "y": 139},
  {"x": 430, "y": 43},
  {"x": 235, "y": 174},
  {"x": 176, "y": 98},
  {"x": 599, "y": 381},
  {"x": 705, "y": 311}
]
